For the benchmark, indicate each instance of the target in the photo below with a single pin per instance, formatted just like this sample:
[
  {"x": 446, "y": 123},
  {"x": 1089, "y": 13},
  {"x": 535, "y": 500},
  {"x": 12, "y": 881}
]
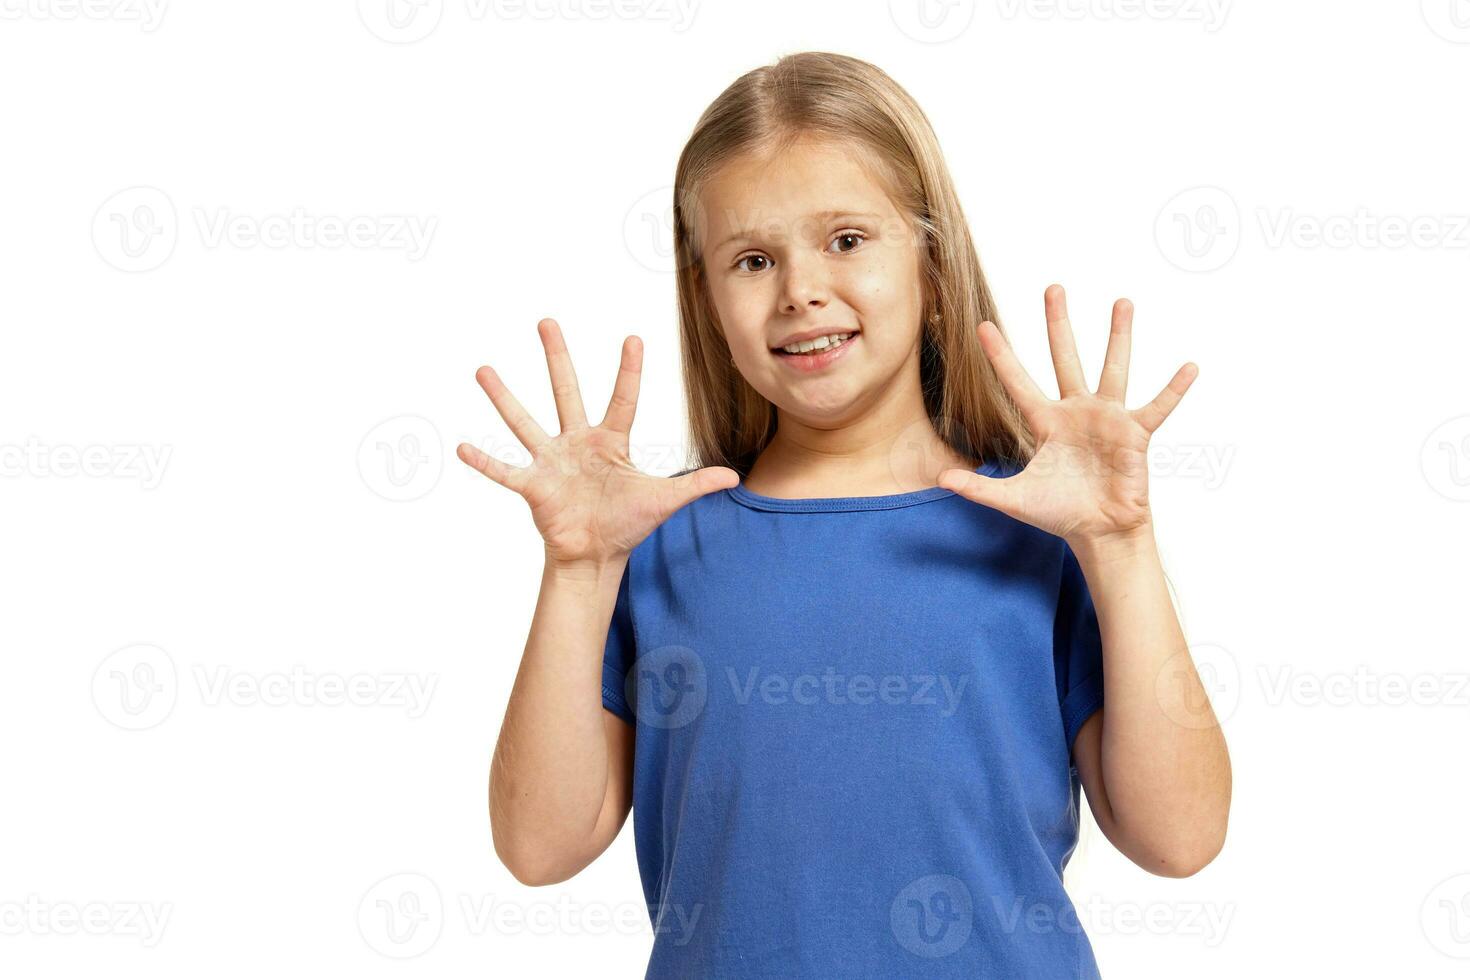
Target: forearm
[
  {"x": 550, "y": 769},
  {"x": 1164, "y": 763}
]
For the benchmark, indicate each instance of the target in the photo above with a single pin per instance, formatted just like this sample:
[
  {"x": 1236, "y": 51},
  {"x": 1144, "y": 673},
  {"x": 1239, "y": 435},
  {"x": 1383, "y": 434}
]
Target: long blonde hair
[{"x": 817, "y": 94}]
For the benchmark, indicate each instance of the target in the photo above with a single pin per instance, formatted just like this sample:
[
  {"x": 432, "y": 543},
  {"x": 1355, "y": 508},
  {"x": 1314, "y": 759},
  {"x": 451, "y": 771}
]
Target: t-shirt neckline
[{"x": 889, "y": 501}]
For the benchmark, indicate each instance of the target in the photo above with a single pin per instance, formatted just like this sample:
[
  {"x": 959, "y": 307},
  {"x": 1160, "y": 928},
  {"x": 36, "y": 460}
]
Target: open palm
[
  {"x": 1088, "y": 480},
  {"x": 588, "y": 500}
]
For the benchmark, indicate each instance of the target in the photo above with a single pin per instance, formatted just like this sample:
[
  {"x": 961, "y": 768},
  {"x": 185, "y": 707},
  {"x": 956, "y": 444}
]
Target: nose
[{"x": 804, "y": 287}]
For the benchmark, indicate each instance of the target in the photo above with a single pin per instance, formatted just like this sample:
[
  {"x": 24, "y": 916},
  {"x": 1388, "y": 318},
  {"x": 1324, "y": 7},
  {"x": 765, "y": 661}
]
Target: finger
[
  {"x": 1018, "y": 383},
  {"x": 624, "y": 401},
  {"x": 999, "y": 493},
  {"x": 689, "y": 487},
  {"x": 1113, "y": 382},
  {"x": 1063, "y": 346},
  {"x": 531, "y": 435},
  {"x": 502, "y": 473},
  {"x": 564, "y": 388},
  {"x": 1152, "y": 415}
]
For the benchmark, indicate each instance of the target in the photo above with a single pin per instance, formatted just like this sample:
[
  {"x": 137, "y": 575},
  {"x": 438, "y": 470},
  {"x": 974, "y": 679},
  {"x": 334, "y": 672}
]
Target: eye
[
  {"x": 752, "y": 255},
  {"x": 859, "y": 236}
]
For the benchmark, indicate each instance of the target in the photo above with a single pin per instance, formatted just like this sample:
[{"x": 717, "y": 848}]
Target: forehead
[{"x": 789, "y": 192}]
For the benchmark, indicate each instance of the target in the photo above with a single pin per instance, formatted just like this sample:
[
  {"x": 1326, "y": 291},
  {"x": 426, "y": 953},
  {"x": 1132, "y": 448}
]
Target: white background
[{"x": 303, "y": 517}]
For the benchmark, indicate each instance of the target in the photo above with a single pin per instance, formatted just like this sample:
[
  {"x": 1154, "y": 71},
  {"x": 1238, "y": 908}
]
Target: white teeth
[{"x": 816, "y": 343}]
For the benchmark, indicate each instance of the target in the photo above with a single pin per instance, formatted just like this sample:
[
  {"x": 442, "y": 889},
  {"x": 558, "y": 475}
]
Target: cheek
[
  {"x": 886, "y": 296},
  {"x": 887, "y": 284},
  {"x": 743, "y": 317}
]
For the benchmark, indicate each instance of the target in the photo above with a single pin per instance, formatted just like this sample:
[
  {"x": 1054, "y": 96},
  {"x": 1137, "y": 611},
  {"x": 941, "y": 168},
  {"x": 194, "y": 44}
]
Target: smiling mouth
[
  {"x": 817, "y": 361},
  {"x": 851, "y": 336}
]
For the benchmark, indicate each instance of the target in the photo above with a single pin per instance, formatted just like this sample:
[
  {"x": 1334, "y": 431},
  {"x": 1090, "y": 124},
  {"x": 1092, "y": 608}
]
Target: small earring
[{"x": 935, "y": 318}]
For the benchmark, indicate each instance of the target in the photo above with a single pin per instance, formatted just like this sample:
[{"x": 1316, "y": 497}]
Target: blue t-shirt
[{"x": 854, "y": 719}]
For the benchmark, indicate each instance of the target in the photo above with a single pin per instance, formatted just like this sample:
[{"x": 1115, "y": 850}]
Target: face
[{"x": 807, "y": 243}]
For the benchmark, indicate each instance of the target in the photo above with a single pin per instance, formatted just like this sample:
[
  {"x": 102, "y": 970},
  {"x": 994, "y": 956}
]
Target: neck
[{"x": 873, "y": 455}]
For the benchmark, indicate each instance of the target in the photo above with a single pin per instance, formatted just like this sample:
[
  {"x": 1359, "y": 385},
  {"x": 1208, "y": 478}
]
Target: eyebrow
[{"x": 826, "y": 215}]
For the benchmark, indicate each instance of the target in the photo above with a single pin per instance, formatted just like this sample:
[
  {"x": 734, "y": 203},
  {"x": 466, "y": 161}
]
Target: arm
[
  {"x": 561, "y": 777},
  {"x": 1153, "y": 762}
]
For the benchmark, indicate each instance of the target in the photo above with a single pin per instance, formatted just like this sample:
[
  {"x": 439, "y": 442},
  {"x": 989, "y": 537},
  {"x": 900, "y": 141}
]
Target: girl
[{"x": 853, "y": 664}]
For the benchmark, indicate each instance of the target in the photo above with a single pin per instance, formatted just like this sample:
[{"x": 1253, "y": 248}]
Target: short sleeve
[
  {"x": 619, "y": 653},
  {"x": 1077, "y": 649}
]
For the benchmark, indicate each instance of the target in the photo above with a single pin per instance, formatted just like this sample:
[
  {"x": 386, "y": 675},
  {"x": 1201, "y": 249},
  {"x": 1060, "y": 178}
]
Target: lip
[{"x": 808, "y": 363}]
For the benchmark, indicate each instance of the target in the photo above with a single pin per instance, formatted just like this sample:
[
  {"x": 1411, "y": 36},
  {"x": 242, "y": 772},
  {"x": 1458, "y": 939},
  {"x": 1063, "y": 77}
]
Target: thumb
[
  {"x": 998, "y": 493},
  {"x": 691, "y": 486}
]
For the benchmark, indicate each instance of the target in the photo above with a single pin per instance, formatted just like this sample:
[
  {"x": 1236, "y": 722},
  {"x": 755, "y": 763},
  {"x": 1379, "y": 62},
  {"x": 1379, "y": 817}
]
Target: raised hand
[
  {"x": 590, "y": 503},
  {"x": 1088, "y": 481}
]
